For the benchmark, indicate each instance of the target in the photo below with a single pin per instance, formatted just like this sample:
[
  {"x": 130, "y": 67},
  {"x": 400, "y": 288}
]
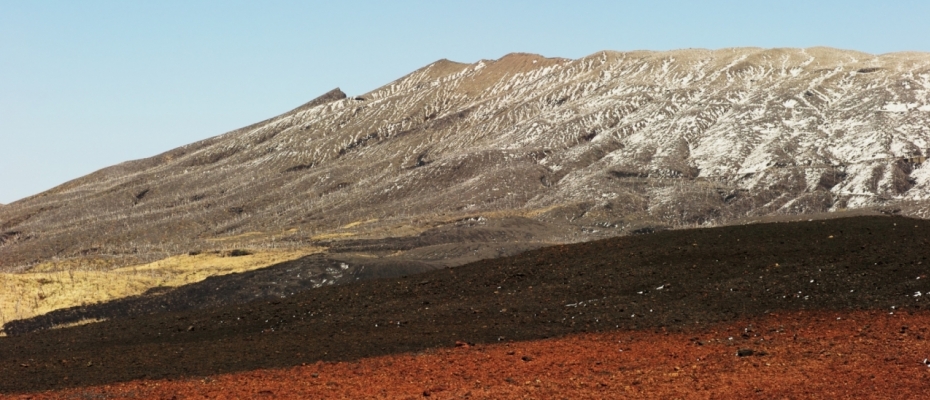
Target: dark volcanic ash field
[{"x": 672, "y": 280}]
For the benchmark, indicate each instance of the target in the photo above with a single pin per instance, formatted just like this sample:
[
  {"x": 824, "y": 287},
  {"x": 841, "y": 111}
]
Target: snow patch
[{"x": 898, "y": 107}]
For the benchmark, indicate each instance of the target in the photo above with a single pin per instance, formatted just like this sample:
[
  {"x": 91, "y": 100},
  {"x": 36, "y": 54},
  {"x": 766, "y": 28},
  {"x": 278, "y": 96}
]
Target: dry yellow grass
[
  {"x": 357, "y": 223},
  {"x": 78, "y": 263},
  {"x": 540, "y": 211},
  {"x": 29, "y": 294},
  {"x": 336, "y": 235},
  {"x": 240, "y": 236}
]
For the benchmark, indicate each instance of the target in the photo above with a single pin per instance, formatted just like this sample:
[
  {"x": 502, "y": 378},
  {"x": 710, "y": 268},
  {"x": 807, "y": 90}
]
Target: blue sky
[{"x": 85, "y": 85}]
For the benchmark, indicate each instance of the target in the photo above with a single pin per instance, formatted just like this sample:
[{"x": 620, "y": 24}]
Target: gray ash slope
[{"x": 598, "y": 146}]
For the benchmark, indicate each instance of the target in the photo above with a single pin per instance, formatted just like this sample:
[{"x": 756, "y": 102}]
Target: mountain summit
[{"x": 609, "y": 144}]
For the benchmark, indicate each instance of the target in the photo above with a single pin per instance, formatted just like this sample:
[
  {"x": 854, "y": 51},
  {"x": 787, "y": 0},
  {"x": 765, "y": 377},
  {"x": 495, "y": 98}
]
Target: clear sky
[{"x": 88, "y": 84}]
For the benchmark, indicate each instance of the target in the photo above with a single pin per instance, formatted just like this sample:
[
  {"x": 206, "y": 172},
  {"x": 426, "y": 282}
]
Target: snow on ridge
[{"x": 683, "y": 137}]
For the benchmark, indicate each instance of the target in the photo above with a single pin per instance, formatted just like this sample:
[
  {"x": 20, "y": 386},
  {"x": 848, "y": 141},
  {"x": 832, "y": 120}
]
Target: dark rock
[{"x": 745, "y": 352}]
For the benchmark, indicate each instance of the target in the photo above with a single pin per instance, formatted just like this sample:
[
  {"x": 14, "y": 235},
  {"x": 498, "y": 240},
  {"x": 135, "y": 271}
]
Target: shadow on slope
[
  {"x": 670, "y": 280},
  {"x": 455, "y": 244}
]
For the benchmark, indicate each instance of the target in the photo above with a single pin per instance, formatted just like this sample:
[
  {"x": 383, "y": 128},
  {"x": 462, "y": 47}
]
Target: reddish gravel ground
[{"x": 800, "y": 354}]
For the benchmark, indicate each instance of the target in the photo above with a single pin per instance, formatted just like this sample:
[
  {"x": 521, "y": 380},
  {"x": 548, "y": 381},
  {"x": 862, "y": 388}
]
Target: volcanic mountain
[
  {"x": 206, "y": 265},
  {"x": 512, "y": 154}
]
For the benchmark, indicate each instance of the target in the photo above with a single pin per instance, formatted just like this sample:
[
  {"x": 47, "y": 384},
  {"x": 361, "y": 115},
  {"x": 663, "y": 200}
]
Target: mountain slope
[{"x": 608, "y": 144}]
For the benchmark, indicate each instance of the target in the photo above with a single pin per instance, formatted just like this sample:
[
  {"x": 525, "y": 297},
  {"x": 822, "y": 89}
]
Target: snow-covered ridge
[{"x": 618, "y": 139}]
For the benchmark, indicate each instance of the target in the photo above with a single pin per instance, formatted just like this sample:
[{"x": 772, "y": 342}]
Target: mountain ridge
[{"x": 604, "y": 145}]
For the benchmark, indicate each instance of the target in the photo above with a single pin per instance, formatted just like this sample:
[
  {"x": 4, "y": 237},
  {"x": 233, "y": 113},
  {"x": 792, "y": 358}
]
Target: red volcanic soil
[
  {"x": 669, "y": 300},
  {"x": 874, "y": 354}
]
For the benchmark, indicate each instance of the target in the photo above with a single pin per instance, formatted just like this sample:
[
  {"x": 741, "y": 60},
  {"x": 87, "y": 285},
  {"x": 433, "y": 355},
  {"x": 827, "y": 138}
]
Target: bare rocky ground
[
  {"x": 794, "y": 355},
  {"x": 673, "y": 281}
]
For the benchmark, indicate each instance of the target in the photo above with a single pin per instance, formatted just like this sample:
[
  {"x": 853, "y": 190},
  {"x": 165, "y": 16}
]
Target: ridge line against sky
[{"x": 85, "y": 85}]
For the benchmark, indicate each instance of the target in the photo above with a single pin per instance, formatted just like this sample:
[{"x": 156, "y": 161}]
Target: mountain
[{"x": 544, "y": 149}]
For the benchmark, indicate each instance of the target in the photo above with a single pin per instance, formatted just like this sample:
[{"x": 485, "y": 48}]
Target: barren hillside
[{"x": 609, "y": 144}]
